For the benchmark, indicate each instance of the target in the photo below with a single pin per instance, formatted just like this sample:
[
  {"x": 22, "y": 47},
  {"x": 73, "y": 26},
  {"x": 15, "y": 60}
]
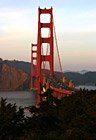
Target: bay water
[
  {"x": 28, "y": 98},
  {"x": 21, "y": 98},
  {"x": 86, "y": 87}
]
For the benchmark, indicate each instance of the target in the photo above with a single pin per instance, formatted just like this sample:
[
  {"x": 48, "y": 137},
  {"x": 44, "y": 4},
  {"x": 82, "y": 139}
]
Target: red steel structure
[
  {"x": 40, "y": 57},
  {"x": 33, "y": 67}
]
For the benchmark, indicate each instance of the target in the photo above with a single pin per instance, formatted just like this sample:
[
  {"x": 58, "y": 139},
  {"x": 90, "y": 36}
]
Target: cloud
[{"x": 15, "y": 23}]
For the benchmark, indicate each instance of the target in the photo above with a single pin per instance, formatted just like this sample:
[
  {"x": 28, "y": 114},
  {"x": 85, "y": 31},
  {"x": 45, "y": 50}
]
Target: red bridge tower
[{"x": 39, "y": 57}]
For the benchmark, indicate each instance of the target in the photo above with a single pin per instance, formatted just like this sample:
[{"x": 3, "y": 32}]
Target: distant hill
[
  {"x": 80, "y": 78},
  {"x": 88, "y": 78}
]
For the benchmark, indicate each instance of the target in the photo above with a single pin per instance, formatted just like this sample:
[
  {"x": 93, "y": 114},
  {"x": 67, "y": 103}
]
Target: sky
[{"x": 75, "y": 24}]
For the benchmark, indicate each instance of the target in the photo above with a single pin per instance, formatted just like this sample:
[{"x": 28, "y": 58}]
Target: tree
[
  {"x": 11, "y": 120},
  {"x": 71, "y": 118},
  {"x": 78, "y": 115}
]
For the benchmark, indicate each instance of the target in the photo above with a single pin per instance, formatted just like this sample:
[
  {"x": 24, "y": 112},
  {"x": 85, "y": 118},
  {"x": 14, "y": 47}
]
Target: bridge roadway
[
  {"x": 59, "y": 88},
  {"x": 59, "y": 84}
]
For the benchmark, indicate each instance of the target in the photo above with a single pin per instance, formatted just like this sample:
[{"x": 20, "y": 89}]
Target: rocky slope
[{"x": 12, "y": 78}]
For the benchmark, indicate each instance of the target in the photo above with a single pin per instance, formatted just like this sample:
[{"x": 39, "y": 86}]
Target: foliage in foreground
[
  {"x": 11, "y": 121},
  {"x": 71, "y": 118}
]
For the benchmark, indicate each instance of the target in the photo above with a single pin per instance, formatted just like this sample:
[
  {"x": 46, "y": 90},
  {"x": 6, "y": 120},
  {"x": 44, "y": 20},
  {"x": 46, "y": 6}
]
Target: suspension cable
[{"x": 57, "y": 49}]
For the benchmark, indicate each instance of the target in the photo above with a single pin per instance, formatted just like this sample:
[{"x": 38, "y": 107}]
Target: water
[
  {"x": 86, "y": 87},
  {"x": 28, "y": 98},
  {"x": 21, "y": 98}
]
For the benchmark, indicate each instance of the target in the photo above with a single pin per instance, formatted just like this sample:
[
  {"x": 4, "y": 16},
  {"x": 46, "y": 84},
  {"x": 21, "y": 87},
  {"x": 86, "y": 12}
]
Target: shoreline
[{"x": 12, "y": 90}]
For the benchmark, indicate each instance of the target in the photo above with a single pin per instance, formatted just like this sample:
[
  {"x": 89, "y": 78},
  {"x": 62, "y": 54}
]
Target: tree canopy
[{"x": 71, "y": 118}]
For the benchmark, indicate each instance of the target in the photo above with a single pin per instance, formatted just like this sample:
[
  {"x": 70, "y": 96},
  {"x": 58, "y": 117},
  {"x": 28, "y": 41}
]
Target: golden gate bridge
[{"x": 37, "y": 56}]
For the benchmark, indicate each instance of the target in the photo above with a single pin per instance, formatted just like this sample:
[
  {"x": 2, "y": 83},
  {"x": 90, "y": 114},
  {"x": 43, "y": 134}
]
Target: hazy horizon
[
  {"x": 67, "y": 70},
  {"x": 75, "y": 23}
]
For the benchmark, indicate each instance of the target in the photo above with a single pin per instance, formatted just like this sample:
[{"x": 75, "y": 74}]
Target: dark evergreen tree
[
  {"x": 71, "y": 118},
  {"x": 11, "y": 121}
]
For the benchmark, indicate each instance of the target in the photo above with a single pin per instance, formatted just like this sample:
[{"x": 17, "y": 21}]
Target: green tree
[
  {"x": 44, "y": 119},
  {"x": 11, "y": 120},
  {"x": 71, "y": 118},
  {"x": 78, "y": 115}
]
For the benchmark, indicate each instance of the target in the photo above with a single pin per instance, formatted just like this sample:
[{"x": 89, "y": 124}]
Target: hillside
[
  {"x": 12, "y": 78},
  {"x": 82, "y": 79},
  {"x": 25, "y": 66},
  {"x": 77, "y": 77}
]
